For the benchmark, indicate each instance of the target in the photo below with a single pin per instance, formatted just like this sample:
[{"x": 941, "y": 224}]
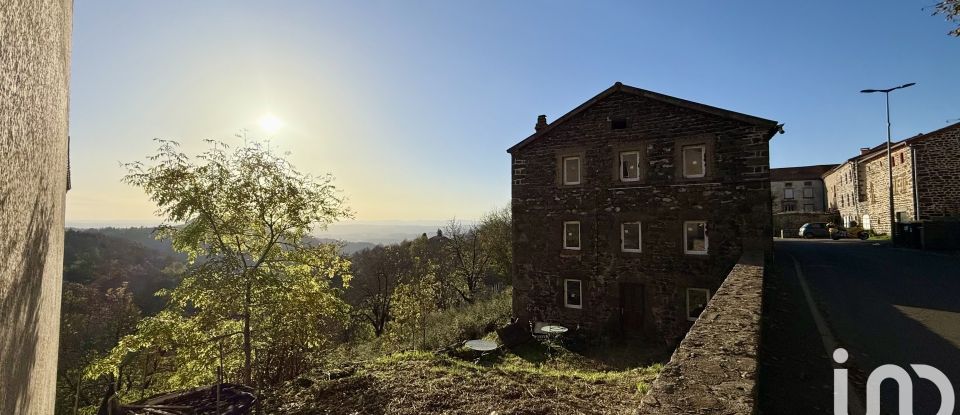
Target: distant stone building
[
  {"x": 926, "y": 181},
  {"x": 34, "y": 85},
  {"x": 799, "y": 189},
  {"x": 629, "y": 210}
]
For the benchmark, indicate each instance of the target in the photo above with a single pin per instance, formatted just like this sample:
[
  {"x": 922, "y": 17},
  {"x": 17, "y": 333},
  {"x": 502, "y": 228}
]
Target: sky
[{"x": 411, "y": 105}]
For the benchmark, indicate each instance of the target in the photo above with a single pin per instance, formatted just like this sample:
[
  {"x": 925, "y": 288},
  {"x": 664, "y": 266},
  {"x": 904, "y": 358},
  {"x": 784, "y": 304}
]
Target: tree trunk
[
  {"x": 76, "y": 397},
  {"x": 247, "y": 358}
]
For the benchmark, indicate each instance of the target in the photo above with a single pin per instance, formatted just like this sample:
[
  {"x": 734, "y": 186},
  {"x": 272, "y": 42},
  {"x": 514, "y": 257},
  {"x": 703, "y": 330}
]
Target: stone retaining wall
[{"x": 714, "y": 370}]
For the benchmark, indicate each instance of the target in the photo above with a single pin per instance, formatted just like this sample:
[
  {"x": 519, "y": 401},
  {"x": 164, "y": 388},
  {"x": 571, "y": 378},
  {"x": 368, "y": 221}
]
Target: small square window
[
  {"x": 788, "y": 193},
  {"x": 697, "y": 299},
  {"x": 571, "y": 235},
  {"x": 808, "y": 183},
  {"x": 788, "y": 184},
  {"x": 695, "y": 237},
  {"x": 571, "y": 170},
  {"x": 618, "y": 124},
  {"x": 572, "y": 294},
  {"x": 630, "y": 166},
  {"x": 630, "y": 237},
  {"x": 808, "y": 193},
  {"x": 694, "y": 161}
]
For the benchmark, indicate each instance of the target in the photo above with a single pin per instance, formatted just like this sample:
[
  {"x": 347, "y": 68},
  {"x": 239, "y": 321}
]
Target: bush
[{"x": 471, "y": 321}]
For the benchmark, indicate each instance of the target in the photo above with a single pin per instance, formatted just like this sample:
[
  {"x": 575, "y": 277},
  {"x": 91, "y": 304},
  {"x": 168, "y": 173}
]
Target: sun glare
[{"x": 270, "y": 123}]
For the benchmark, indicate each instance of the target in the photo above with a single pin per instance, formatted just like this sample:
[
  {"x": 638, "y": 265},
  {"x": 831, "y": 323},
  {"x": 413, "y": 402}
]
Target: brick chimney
[
  {"x": 864, "y": 150},
  {"x": 541, "y": 122}
]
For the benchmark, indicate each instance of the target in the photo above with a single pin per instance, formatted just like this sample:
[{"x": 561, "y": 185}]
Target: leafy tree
[
  {"x": 951, "y": 10},
  {"x": 261, "y": 294},
  {"x": 92, "y": 321},
  {"x": 496, "y": 236},
  {"x": 412, "y": 304}
]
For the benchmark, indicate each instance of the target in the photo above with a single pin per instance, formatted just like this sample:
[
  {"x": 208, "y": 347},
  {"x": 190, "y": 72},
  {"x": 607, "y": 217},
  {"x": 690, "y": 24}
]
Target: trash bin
[{"x": 909, "y": 234}]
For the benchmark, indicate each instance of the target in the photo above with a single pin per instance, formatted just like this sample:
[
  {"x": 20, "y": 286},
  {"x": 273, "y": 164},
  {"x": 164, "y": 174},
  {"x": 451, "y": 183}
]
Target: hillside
[
  {"x": 103, "y": 261},
  {"x": 144, "y": 236}
]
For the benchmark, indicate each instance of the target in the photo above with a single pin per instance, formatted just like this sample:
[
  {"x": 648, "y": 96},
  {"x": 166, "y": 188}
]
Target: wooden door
[{"x": 631, "y": 308}]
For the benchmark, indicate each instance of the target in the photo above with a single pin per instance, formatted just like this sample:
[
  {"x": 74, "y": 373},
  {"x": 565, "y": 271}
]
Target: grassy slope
[{"x": 529, "y": 381}]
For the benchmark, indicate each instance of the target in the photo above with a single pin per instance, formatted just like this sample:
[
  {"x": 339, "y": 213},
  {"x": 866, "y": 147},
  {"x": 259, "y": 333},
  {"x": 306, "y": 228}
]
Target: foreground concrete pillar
[{"x": 34, "y": 79}]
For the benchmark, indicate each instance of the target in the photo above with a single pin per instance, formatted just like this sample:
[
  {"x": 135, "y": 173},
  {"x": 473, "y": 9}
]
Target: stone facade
[
  {"x": 34, "y": 79},
  {"x": 926, "y": 181},
  {"x": 715, "y": 368},
  {"x": 799, "y": 189},
  {"x": 646, "y": 292},
  {"x": 937, "y": 177}
]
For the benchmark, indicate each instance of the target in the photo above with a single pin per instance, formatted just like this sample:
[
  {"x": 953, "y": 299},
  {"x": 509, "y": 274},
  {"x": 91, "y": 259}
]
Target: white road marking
[{"x": 829, "y": 342}]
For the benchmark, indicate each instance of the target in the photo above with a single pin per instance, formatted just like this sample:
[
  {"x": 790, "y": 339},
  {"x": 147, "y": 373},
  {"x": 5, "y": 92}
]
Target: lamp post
[{"x": 886, "y": 92}]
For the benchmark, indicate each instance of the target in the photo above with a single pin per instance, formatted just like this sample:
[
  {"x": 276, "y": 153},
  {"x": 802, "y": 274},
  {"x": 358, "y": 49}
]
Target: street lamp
[{"x": 886, "y": 92}]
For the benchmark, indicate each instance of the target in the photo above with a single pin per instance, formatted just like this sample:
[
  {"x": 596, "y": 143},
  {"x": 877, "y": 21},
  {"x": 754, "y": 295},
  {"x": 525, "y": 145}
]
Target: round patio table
[
  {"x": 553, "y": 329},
  {"x": 481, "y": 345},
  {"x": 553, "y": 332}
]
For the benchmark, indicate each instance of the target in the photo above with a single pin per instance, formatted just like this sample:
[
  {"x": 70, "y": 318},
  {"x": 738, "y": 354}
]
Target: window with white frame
[
  {"x": 630, "y": 237},
  {"x": 807, "y": 193},
  {"x": 694, "y": 161},
  {"x": 695, "y": 237},
  {"x": 571, "y": 170},
  {"x": 571, "y": 235},
  {"x": 572, "y": 294},
  {"x": 630, "y": 166},
  {"x": 697, "y": 299}
]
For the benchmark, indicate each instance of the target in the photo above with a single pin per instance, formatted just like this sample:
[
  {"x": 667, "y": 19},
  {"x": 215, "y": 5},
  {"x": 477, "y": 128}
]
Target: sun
[{"x": 270, "y": 123}]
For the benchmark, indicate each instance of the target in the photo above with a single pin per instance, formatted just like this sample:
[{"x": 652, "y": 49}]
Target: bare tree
[
  {"x": 377, "y": 273},
  {"x": 470, "y": 260}
]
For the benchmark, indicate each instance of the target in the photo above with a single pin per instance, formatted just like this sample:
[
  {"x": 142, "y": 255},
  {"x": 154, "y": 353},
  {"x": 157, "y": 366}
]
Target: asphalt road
[{"x": 884, "y": 305}]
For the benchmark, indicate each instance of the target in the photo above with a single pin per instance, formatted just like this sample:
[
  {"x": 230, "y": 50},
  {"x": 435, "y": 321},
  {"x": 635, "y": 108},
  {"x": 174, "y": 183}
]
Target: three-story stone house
[{"x": 629, "y": 211}]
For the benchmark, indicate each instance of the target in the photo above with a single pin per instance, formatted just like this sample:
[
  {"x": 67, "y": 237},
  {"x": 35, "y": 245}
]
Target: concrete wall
[
  {"x": 733, "y": 198},
  {"x": 34, "y": 78},
  {"x": 714, "y": 370}
]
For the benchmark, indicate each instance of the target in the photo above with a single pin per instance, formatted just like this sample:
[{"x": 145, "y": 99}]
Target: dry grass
[{"x": 526, "y": 381}]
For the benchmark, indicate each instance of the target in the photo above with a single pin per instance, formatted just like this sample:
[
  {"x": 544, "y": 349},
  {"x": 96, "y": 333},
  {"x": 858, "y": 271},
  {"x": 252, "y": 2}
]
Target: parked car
[
  {"x": 854, "y": 231},
  {"x": 814, "y": 230}
]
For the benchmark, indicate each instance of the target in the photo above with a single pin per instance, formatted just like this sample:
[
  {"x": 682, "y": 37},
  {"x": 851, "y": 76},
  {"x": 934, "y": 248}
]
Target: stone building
[
  {"x": 34, "y": 79},
  {"x": 926, "y": 181},
  {"x": 629, "y": 210},
  {"x": 799, "y": 189}
]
